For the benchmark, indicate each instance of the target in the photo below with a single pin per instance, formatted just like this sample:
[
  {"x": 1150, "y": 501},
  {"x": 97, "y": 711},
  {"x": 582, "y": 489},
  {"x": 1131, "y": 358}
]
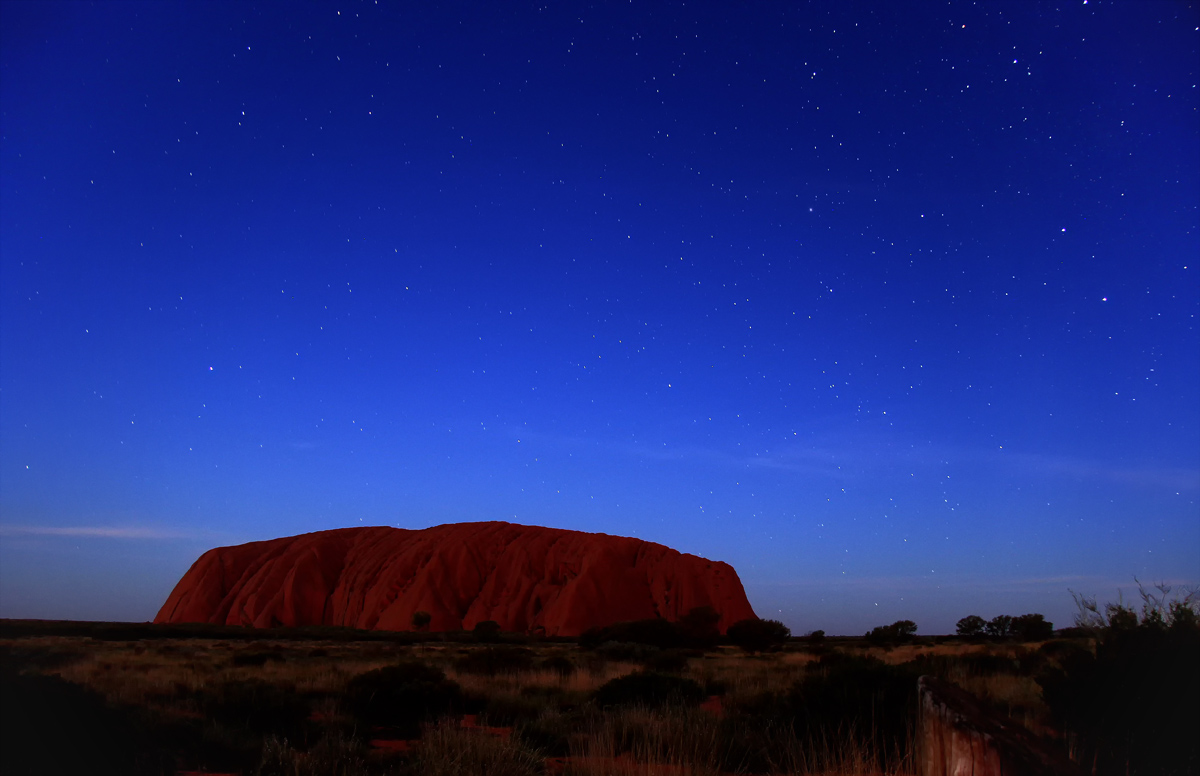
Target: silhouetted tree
[
  {"x": 900, "y": 630},
  {"x": 971, "y": 626},
  {"x": 999, "y": 626},
  {"x": 755, "y": 635},
  {"x": 421, "y": 620},
  {"x": 1031, "y": 627}
]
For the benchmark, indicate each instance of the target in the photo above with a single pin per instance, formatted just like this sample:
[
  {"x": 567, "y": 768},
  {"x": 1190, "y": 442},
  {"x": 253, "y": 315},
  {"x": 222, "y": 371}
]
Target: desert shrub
[
  {"x": 256, "y": 706},
  {"x": 547, "y": 696},
  {"x": 1031, "y": 627},
  {"x": 971, "y": 626},
  {"x": 860, "y": 697},
  {"x": 508, "y": 710},
  {"x": 984, "y": 663},
  {"x": 655, "y": 632},
  {"x": 491, "y": 661},
  {"x": 402, "y": 697},
  {"x": 48, "y": 725},
  {"x": 755, "y": 635},
  {"x": 627, "y": 652},
  {"x": 559, "y": 664},
  {"x": 699, "y": 627},
  {"x": 486, "y": 631},
  {"x": 898, "y": 632},
  {"x": 14, "y": 657},
  {"x": 649, "y": 689},
  {"x": 1131, "y": 707},
  {"x": 257, "y": 659},
  {"x": 1060, "y": 648},
  {"x": 447, "y": 750},
  {"x": 550, "y": 732},
  {"x": 668, "y": 661},
  {"x": 421, "y": 620},
  {"x": 816, "y": 637}
]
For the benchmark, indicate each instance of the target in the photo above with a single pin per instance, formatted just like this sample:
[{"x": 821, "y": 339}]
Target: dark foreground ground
[{"x": 123, "y": 698}]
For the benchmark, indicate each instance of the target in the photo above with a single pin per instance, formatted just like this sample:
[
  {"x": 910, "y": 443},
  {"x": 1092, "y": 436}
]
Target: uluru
[{"x": 525, "y": 578}]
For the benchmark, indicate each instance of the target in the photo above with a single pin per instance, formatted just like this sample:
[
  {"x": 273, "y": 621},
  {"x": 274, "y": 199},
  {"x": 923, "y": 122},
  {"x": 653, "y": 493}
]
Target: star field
[{"x": 893, "y": 308}]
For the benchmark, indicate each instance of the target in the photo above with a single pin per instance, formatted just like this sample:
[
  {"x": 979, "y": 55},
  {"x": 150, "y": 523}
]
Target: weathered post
[{"x": 959, "y": 737}]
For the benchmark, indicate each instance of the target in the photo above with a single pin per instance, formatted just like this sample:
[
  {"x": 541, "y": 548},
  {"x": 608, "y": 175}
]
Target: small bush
[
  {"x": 486, "y": 631},
  {"x": 258, "y": 707},
  {"x": 549, "y": 733},
  {"x": 402, "y": 697},
  {"x": 627, "y": 652},
  {"x": 649, "y": 689},
  {"x": 669, "y": 661},
  {"x": 896, "y": 633},
  {"x": 508, "y": 710},
  {"x": 491, "y": 661},
  {"x": 755, "y": 635},
  {"x": 655, "y": 632},
  {"x": 257, "y": 659},
  {"x": 699, "y": 627},
  {"x": 559, "y": 664},
  {"x": 1031, "y": 627}
]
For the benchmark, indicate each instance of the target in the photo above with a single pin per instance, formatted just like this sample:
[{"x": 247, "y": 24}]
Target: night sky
[{"x": 892, "y": 306}]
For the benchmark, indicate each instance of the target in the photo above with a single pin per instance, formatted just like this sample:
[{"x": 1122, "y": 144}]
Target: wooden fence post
[{"x": 957, "y": 736}]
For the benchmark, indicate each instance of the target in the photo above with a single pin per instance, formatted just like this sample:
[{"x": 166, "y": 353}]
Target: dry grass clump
[
  {"x": 637, "y": 740},
  {"x": 337, "y": 754},
  {"x": 450, "y": 750}
]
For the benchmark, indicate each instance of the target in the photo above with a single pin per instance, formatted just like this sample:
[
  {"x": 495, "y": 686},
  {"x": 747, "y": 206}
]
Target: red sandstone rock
[{"x": 523, "y": 577}]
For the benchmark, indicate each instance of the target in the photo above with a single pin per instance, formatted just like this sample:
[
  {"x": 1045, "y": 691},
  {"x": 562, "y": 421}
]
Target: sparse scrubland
[{"x": 1118, "y": 693}]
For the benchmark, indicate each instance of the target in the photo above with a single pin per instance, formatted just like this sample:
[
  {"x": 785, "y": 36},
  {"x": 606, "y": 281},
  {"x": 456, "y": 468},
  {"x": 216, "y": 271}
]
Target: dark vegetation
[
  {"x": 1133, "y": 704},
  {"x": 897, "y": 633},
  {"x": 1119, "y": 693},
  {"x": 649, "y": 689},
  {"x": 38, "y": 713},
  {"x": 1027, "y": 627},
  {"x": 696, "y": 630},
  {"x": 759, "y": 635},
  {"x": 396, "y": 699}
]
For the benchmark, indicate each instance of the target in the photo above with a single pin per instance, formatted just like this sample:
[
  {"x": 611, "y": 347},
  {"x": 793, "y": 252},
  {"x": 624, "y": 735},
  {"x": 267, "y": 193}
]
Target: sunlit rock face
[{"x": 525, "y": 578}]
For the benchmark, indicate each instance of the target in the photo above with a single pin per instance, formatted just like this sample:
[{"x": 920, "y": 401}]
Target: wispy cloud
[
  {"x": 847, "y": 453},
  {"x": 94, "y": 532},
  {"x": 1168, "y": 477}
]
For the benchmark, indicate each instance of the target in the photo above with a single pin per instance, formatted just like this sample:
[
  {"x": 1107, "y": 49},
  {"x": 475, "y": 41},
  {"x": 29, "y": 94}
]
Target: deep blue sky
[{"x": 893, "y": 306}]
